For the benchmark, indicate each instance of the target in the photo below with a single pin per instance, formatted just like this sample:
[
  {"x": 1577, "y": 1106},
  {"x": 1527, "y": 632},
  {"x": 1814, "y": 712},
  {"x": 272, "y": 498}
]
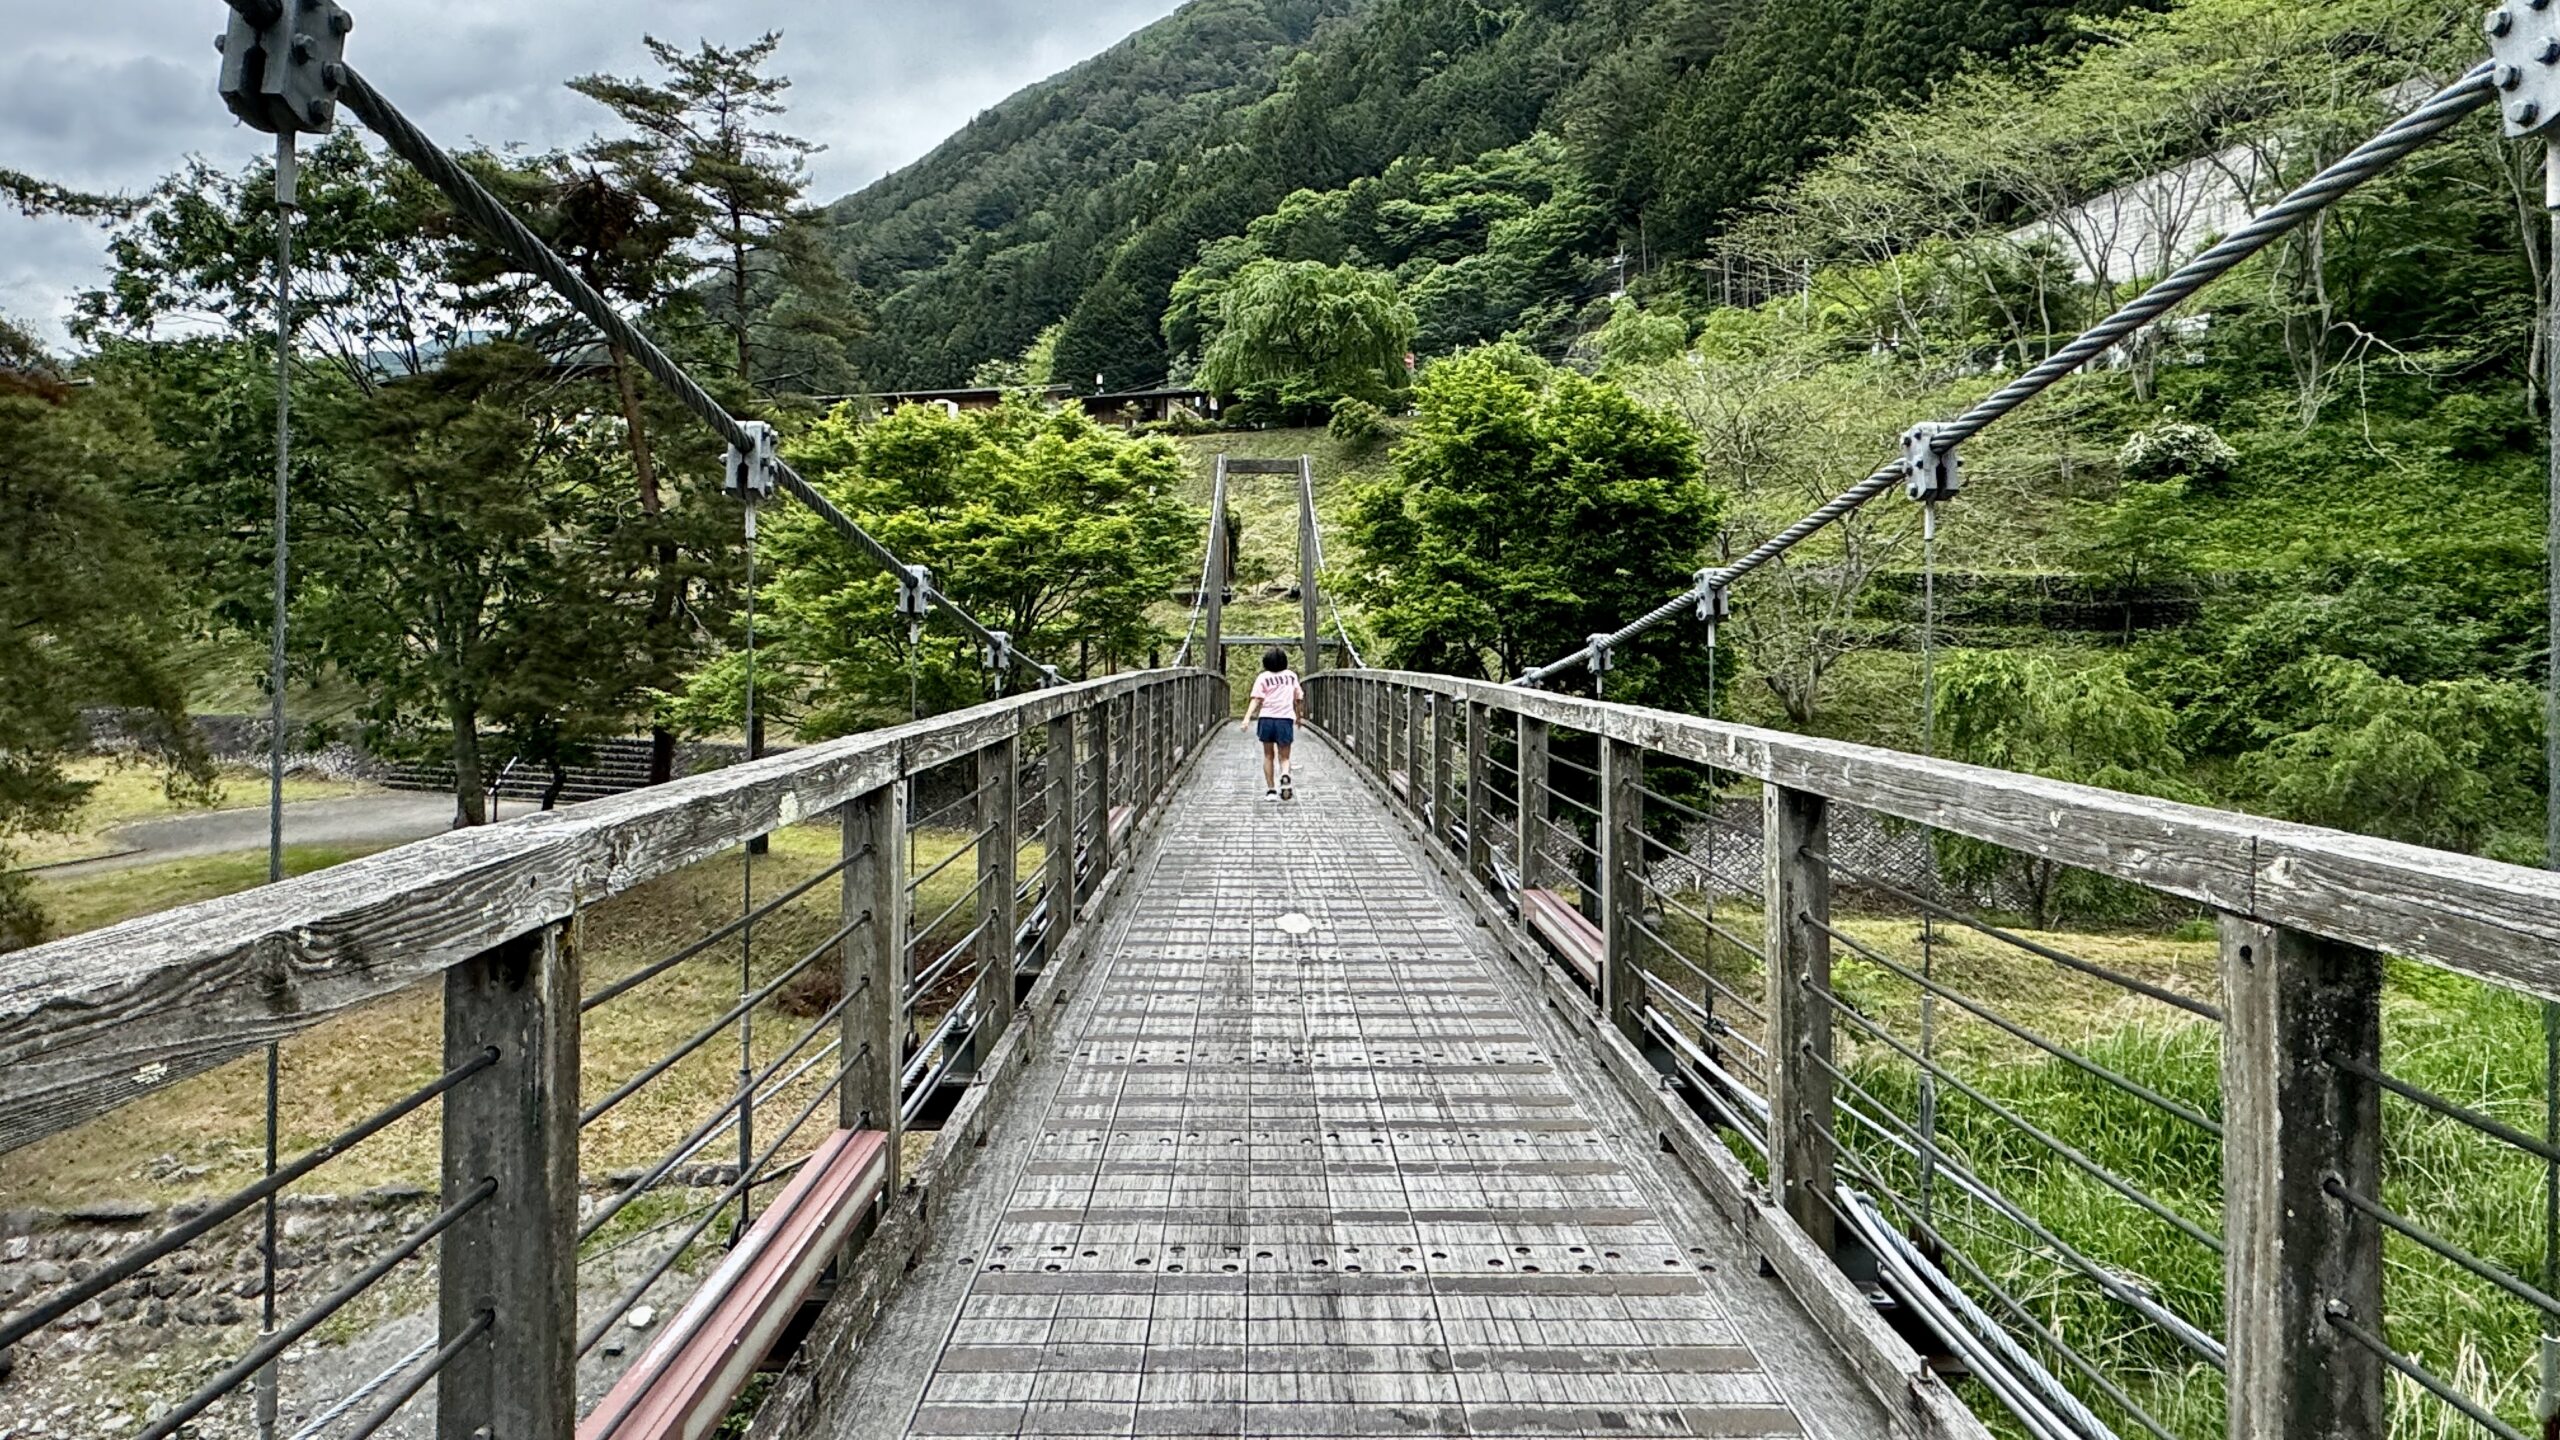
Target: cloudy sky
[{"x": 113, "y": 97}]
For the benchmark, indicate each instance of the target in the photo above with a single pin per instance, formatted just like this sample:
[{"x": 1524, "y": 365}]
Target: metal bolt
[
  {"x": 340, "y": 22},
  {"x": 2537, "y": 4},
  {"x": 2548, "y": 52},
  {"x": 333, "y": 75},
  {"x": 2507, "y": 76},
  {"x": 303, "y": 49},
  {"x": 2524, "y": 113},
  {"x": 2500, "y": 22}
]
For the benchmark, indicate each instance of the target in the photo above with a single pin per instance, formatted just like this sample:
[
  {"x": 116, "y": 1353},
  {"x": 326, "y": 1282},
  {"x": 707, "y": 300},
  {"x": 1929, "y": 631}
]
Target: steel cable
[{"x": 2396, "y": 142}]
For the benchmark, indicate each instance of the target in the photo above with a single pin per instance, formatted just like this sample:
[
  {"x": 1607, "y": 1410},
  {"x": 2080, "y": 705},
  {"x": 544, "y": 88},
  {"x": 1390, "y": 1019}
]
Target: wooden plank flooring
[{"x": 1308, "y": 1168}]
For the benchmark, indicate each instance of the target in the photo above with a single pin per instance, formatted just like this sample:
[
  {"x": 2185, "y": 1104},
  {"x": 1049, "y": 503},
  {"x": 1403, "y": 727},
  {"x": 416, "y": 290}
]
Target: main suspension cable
[{"x": 2396, "y": 142}]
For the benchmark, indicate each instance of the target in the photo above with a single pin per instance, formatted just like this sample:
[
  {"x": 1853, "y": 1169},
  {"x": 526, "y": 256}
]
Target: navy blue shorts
[{"x": 1276, "y": 732}]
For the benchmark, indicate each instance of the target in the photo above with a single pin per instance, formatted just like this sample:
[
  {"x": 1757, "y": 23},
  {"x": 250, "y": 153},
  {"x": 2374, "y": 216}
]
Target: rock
[
  {"x": 642, "y": 1317},
  {"x": 45, "y": 1272},
  {"x": 16, "y": 1249},
  {"x": 87, "y": 1315},
  {"x": 111, "y": 1212},
  {"x": 303, "y": 1227},
  {"x": 383, "y": 1197},
  {"x": 21, "y": 1222}
]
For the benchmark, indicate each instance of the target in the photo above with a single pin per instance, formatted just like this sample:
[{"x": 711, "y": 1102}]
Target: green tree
[
  {"x": 87, "y": 612},
  {"x": 1047, "y": 526},
  {"x": 2454, "y": 764},
  {"x": 703, "y": 148},
  {"x": 1529, "y": 508},
  {"x": 1289, "y": 337},
  {"x": 2087, "y": 724},
  {"x": 465, "y": 561}
]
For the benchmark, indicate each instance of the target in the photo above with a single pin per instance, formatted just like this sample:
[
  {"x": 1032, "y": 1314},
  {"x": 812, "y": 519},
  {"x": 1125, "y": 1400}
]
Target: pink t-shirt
[{"x": 1278, "y": 692}]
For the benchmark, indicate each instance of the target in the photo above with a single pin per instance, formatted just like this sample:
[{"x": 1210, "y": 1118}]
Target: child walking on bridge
[{"x": 1273, "y": 716}]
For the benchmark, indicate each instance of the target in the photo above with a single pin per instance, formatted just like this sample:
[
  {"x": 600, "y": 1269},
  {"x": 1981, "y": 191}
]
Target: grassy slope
[
  {"x": 1266, "y": 511},
  {"x": 339, "y": 1072}
]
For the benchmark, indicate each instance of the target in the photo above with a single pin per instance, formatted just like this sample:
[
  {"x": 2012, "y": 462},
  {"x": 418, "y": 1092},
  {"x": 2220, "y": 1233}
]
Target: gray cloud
[{"x": 115, "y": 95}]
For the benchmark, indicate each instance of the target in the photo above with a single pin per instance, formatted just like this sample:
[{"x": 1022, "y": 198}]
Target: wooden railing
[
  {"x": 1687, "y": 886},
  {"x": 1064, "y": 776}
]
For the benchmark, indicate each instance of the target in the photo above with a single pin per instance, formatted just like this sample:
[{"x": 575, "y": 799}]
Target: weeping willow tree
[{"x": 1290, "y": 338}]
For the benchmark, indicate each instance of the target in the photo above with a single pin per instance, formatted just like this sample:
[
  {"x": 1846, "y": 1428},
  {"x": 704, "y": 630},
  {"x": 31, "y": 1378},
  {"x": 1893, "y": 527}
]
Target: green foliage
[
  {"x": 2177, "y": 450},
  {"x": 465, "y": 559},
  {"x": 1357, "y": 425},
  {"x": 2454, "y": 764},
  {"x": 86, "y": 603},
  {"x": 1530, "y": 507},
  {"x": 1288, "y": 337},
  {"x": 1637, "y": 337},
  {"x": 2088, "y": 725},
  {"x": 1054, "y": 529}
]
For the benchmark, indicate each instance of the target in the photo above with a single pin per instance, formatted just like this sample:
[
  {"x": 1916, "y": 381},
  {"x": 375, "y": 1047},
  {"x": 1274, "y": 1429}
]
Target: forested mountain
[
  {"x": 1083, "y": 199},
  {"x": 975, "y": 247}
]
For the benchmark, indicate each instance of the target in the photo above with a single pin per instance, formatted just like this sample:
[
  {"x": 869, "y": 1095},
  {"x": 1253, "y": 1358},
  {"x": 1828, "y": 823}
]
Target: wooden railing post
[
  {"x": 1796, "y": 878},
  {"x": 515, "y": 1256},
  {"x": 1058, "y": 835},
  {"x": 999, "y": 793},
  {"x": 875, "y": 891},
  {"x": 1621, "y": 864},
  {"x": 1417, "y": 776},
  {"x": 1533, "y": 801},
  {"x": 1099, "y": 847},
  {"x": 1479, "y": 810},
  {"x": 1442, "y": 710},
  {"x": 2293, "y": 1121}
]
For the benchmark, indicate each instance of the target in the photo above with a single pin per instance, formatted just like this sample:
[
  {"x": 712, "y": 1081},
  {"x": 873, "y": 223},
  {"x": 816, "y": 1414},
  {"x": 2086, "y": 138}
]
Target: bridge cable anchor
[
  {"x": 1601, "y": 662},
  {"x": 750, "y": 472},
  {"x": 1931, "y": 472},
  {"x": 2524, "y": 49},
  {"x": 282, "y": 69}
]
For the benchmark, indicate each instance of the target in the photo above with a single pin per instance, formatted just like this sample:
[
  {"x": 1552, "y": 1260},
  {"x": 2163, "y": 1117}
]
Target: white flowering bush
[{"x": 2176, "y": 450}]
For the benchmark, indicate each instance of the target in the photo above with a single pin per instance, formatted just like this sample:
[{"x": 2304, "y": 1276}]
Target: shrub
[
  {"x": 2177, "y": 450},
  {"x": 1357, "y": 423}
]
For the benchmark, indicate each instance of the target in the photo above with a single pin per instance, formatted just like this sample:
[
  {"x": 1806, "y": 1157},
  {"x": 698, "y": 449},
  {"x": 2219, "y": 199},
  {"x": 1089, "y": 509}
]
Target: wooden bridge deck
[{"x": 1345, "y": 1182}]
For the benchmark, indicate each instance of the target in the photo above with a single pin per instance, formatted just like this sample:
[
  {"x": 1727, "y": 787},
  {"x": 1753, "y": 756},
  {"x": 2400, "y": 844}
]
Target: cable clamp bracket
[
  {"x": 281, "y": 72},
  {"x": 997, "y": 654},
  {"x": 2524, "y": 48},
  {"x": 1715, "y": 598},
  {"x": 749, "y": 473},
  {"x": 1931, "y": 472},
  {"x": 1600, "y": 661},
  {"x": 915, "y": 593}
]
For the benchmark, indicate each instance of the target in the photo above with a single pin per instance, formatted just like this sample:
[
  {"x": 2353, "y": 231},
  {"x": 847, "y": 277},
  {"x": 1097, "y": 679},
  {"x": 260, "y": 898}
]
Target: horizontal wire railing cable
[
  {"x": 2438, "y": 1246},
  {"x": 656, "y": 968},
  {"x": 2064, "y": 958},
  {"x": 745, "y": 1004},
  {"x": 2009, "y": 1116},
  {"x": 965, "y": 847},
  {"x": 2396, "y": 142},
  {"x": 382, "y": 1414},
  {"x": 171, "y": 1421},
  {"x": 168, "y": 1242},
  {"x": 621, "y": 1306},
  {"x": 717, "y": 1121},
  {"x": 1678, "y": 856},
  {"x": 2422, "y": 1377},
  {"x": 2489, "y": 1125},
  {"x": 340, "y": 1408},
  {"x": 1908, "y": 1139},
  {"x": 2054, "y": 1048},
  {"x": 492, "y": 216},
  {"x": 919, "y": 934}
]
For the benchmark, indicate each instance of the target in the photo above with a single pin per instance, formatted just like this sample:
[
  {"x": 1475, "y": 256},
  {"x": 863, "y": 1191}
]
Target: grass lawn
[
  {"x": 202, "y": 1136},
  {"x": 126, "y": 793}
]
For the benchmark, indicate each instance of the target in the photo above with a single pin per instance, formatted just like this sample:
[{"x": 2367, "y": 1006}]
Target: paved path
[
  {"x": 1344, "y": 1182},
  {"x": 387, "y": 818}
]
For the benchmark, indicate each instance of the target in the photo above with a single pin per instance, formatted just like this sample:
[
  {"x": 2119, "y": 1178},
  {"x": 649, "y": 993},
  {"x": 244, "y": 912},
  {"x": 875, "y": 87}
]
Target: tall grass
[{"x": 2460, "y": 1039}]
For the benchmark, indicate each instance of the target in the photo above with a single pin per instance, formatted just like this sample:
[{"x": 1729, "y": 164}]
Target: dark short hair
[{"x": 1275, "y": 658}]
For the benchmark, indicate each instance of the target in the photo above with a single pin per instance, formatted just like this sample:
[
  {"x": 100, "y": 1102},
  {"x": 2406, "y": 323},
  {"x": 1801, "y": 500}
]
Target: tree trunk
[
  {"x": 662, "y": 754},
  {"x": 559, "y": 782},
  {"x": 470, "y": 797}
]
